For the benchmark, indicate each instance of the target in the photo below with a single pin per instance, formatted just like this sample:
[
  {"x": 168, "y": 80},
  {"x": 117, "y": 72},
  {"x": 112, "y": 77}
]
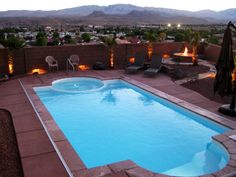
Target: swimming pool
[{"x": 120, "y": 121}]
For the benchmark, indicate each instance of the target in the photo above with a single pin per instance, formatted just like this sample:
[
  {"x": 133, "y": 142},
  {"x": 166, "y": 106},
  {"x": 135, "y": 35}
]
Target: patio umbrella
[{"x": 225, "y": 66}]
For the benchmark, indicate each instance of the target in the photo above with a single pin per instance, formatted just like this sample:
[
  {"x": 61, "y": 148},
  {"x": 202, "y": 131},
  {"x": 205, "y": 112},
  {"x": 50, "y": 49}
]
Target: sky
[{"x": 192, "y": 5}]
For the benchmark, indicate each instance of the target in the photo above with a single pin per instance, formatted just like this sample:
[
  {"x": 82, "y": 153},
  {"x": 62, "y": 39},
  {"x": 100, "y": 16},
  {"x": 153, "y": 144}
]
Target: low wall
[
  {"x": 88, "y": 54},
  {"x": 3, "y": 61},
  {"x": 30, "y": 58},
  {"x": 212, "y": 52}
]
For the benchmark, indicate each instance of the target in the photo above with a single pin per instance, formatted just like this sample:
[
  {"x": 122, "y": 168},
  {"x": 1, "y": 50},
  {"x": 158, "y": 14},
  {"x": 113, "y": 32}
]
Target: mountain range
[{"x": 124, "y": 14}]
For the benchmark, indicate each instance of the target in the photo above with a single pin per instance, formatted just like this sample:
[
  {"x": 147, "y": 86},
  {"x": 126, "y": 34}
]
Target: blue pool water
[{"x": 121, "y": 121}]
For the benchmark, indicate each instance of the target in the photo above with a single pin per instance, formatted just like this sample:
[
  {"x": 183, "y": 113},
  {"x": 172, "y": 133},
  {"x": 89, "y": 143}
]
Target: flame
[
  {"x": 185, "y": 51},
  {"x": 234, "y": 75},
  {"x": 212, "y": 75},
  {"x": 166, "y": 56},
  {"x": 83, "y": 67},
  {"x": 10, "y": 67},
  {"x": 38, "y": 71},
  {"x": 35, "y": 71},
  {"x": 10, "y": 64},
  {"x": 132, "y": 60},
  {"x": 150, "y": 50},
  {"x": 112, "y": 59}
]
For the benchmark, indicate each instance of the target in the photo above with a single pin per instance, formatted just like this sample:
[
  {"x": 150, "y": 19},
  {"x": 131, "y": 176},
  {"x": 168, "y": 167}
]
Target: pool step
[{"x": 233, "y": 137}]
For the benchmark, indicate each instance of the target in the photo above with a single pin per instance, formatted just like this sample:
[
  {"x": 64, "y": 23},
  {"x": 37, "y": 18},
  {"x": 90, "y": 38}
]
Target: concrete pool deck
[{"x": 38, "y": 154}]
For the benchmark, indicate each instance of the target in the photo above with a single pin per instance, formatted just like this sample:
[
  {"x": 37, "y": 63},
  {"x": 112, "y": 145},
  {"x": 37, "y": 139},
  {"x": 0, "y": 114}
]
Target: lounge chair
[
  {"x": 155, "y": 66},
  {"x": 73, "y": 62},
  {"x": 52, "y": 63},
  {"x": 140, "y": 58}
]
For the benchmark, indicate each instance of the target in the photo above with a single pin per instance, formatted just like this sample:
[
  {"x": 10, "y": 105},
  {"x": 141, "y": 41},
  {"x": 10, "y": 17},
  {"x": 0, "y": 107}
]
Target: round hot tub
[{"x": 77, "y": 84}]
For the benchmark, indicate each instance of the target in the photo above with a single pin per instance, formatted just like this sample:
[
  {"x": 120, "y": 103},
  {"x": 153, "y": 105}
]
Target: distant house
[
  {"x": 48, "y": 28},
  {"x": 122, "y": 41},
  {"x": 133, "y": 40}
]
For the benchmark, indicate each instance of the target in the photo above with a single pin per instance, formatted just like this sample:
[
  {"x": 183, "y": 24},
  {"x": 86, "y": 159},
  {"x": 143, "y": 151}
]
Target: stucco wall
[{"x": 29, "y": 58}]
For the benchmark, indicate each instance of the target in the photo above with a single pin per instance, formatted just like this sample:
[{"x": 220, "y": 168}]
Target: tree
[
  {"x": 2, "y": 37},
  {"x": 81, "y": 29},
  {"x": 179, "y": 37},
  {"x": 150, "y": 36},
  {"x": 188, "y": 35},
  {"x": 41, "y": 39},
  {"x": 86, "y": 37},
  {"x": 162, "y": 36},
  {"x": 13, "y": 42},
  {"x": 67, "y": 38},
  {"x": 214, "y": 40},
  {"x": 195, "y": 41},
  {"x": 56, "y": 38},
  {"x": 109, "y": 42},
  {"x": 72, "y": 41}
]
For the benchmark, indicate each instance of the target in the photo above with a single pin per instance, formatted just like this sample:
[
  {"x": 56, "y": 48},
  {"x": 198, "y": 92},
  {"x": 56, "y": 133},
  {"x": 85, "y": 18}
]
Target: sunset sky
[{"x": 192, "y": 5}]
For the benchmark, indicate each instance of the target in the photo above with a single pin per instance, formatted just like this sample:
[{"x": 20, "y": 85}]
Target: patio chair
[
  {"x": 52, "y": 63},
  {"x": 140, "y": 58},
  {"x": 73, "y": 62},
  {"x": 155, "y": 66}
]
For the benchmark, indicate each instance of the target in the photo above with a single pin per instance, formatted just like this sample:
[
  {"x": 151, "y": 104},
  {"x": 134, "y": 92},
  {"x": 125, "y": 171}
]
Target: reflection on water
[
  {"x": 109, "y": 97},
  {"x": 145, "y": 100}
]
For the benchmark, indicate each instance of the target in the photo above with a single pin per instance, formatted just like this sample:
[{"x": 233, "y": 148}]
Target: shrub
[
  {"x": 179, "y": 37},
  {"x": 86, "y": 37},
  {"x": 41, "y": 41},
  {"x": 214, "y": 40},
  {"x": 14, "y": 42}
]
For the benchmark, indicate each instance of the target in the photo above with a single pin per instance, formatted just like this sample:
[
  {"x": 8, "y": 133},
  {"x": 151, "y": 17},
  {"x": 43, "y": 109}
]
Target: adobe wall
[
  {"x": 30, "y": 58},
  {"x": 3, "y": 61},
  {"x": 88, "y": 54},
  {"x": 19, "y": 61},
  {"x": 123, "y": 52},
  {"x": 212, "y": 52}
]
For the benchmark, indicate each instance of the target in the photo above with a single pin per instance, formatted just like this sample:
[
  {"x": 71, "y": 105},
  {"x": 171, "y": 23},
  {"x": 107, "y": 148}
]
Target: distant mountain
[
  {"x": 130, "y": 11},
  {"x": 79, "y": 11},
  {"x": 134, "y": 18},
  {"x": 122, "y": 9},
  {"x": 224, "y": 15},
  {"x": 229, "y": 14}
]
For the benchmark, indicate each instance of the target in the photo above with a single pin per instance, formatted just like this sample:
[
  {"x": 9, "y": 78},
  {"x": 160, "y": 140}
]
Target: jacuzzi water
[
  {"x": 121, "y": 121},
  {"x": 76, "y": 85}
]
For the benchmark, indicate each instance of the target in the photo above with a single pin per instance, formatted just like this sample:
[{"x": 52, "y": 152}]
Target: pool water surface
[{"x": 121, "y": 121}]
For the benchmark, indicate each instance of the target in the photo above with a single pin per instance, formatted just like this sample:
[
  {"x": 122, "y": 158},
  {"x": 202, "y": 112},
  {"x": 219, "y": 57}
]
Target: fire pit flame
[{"x": 185, "y": 51}]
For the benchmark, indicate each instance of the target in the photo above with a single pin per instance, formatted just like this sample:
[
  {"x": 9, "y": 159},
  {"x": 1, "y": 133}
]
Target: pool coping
[{"x": 74, "y": 164}]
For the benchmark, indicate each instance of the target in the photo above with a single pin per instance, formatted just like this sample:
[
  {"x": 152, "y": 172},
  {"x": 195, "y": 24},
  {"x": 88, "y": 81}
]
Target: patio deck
[{"x": 39, "y": 157}]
